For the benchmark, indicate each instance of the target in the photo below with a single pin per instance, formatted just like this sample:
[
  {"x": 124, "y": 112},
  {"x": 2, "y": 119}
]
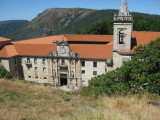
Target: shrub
[
  {"x": 4, "y": 73},
  {"x": 66, "y": 98}
]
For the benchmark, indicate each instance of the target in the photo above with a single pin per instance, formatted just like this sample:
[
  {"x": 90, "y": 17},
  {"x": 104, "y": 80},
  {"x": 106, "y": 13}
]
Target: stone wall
[
  {"x": 37, "y": 72},
  {"x": 120, "y": 59},
  {"x": 89, "y": 69},
  {"x": 127, "y": 29}
]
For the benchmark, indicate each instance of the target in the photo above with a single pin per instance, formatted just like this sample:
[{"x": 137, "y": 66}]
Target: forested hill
[
  {"x": 11, "y": 26},
  {"x": 65, "y": 21}
]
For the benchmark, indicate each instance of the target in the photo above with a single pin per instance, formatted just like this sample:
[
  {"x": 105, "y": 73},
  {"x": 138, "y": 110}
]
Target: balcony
[{"x": 28, "y": 63}]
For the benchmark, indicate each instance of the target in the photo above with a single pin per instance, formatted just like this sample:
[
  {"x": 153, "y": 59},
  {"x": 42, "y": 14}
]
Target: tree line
[{"x": 105, "y": 26}]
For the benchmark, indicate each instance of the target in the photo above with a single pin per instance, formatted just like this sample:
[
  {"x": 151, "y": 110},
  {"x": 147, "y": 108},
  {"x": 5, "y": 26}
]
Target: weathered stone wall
[
  {"x": 5, "y": 63},
  {"x": 101, "y": 66},
  {"x": 127, "y": 30},
  {"x": 120, "y": 59},
  {"x": 40, "y": 75}
]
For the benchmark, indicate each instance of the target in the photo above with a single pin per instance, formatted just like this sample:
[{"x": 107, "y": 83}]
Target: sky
[{"x": 29, "y": 9}]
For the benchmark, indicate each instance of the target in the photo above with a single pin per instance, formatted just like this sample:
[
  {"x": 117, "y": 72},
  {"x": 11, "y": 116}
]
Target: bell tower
[{"x": 123, "y": 27}]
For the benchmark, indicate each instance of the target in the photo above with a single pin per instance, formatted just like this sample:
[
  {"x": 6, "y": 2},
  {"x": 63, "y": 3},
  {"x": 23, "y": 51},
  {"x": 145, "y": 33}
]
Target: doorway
[{"x": 63, "y": 79}]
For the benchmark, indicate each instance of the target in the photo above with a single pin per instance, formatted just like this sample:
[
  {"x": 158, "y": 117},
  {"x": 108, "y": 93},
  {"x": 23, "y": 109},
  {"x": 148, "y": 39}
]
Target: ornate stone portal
[{"x": 65, "y": 66}]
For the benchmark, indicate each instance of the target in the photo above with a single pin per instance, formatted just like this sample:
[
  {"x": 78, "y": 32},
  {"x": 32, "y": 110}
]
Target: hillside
[
  {"x": 21, "y": 100},
  {"x": 65, "y": 21},
  {"x": 50, "y": 21},
  {"x": 11, "y": 26}
]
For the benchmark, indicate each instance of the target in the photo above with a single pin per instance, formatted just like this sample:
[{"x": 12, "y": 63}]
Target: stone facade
[{"x": 62, "y": 67}]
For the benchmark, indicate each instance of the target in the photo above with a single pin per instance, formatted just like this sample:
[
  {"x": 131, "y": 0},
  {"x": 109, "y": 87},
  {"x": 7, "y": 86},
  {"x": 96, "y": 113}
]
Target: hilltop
[{"x": 55, "y": 21}]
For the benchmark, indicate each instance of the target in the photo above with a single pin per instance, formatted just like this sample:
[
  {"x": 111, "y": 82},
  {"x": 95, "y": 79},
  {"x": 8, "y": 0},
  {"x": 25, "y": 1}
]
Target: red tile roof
[
  {"x": 142, "y": 38},
  {"x": 4, "y": 39},
  {"x": 35, "y": 49},
  {"x": 42, "y": 46},
  {"x": 42, "y": 40},
  {"x": 8, "y": 51},
  {"x": 91, "y": 38},
  {"x": 92, "y": 51}
]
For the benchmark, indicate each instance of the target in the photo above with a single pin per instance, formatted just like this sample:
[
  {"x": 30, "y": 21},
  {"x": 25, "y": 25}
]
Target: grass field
[{"x": 20, "y": 100}]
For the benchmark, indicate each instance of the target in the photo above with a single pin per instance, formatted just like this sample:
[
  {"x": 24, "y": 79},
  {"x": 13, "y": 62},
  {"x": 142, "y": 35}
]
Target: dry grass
[{"x": 24, "y": 101}]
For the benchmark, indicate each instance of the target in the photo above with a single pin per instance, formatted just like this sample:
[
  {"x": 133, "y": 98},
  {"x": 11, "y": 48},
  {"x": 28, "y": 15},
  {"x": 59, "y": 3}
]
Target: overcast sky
[{"x": 29, "y": 9}]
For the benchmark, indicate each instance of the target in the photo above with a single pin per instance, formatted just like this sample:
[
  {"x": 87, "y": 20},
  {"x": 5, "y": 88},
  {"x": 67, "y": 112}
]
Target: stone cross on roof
[{"x": 124, "y": 9}]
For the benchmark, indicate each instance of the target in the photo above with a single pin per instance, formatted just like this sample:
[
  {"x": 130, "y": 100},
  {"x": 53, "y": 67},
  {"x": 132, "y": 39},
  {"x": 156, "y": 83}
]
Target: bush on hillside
[
  {"x": 4, "y": 73},
  {"x": 139, "y": 75}
]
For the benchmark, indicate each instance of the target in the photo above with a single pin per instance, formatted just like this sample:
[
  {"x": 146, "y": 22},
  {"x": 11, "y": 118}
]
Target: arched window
[{"x": 121, "y": 37}]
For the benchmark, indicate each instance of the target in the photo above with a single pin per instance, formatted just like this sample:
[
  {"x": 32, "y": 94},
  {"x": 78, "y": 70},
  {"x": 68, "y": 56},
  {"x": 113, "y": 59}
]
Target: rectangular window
[
  {"x": 94, "y": 72},
  {"x": 62, "y": 62},
  {"x": 36, "y": 77},
  {"x": 45, "y": 78},
  {"x": 35, "y": 60},
  {"x": 43, "y": 61},
  {"x": 94, "y": 64},
  {"x": 83, "y": 71},
  {"x": 28, "y": 60},
  {"x": 29, "y": 77},
  {"x": 44, "y": 69},
  {"x": 83, "y": 63},
  {"x": 36, "y": 69}
]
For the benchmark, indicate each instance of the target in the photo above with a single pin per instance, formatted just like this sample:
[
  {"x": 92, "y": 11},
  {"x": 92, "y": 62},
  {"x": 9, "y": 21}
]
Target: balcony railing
[{"x": 123, "y": 18}]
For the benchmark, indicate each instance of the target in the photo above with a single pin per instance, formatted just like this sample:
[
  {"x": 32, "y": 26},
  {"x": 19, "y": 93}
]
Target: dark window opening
[
  {"x": 94, "y": 64},
  {"x": 62, "y": 62},
  {"x": 28, "y": 60},
  {"x": 83, "y": 71},
  {"x": 121, "y": 37},
  {"x": 35, "y": 60},
  {"x": 94, "y": 72},
  {"x": 63, "y": 79},
  {"x": 44, "y": 61},
  {"x": 83, "y": 63},
  {"x": 36, "y": 69}
]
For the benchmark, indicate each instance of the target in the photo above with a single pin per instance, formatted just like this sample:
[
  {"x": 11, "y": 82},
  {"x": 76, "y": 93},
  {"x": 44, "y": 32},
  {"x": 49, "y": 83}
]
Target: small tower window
[{"x": 121, "y": 37}]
